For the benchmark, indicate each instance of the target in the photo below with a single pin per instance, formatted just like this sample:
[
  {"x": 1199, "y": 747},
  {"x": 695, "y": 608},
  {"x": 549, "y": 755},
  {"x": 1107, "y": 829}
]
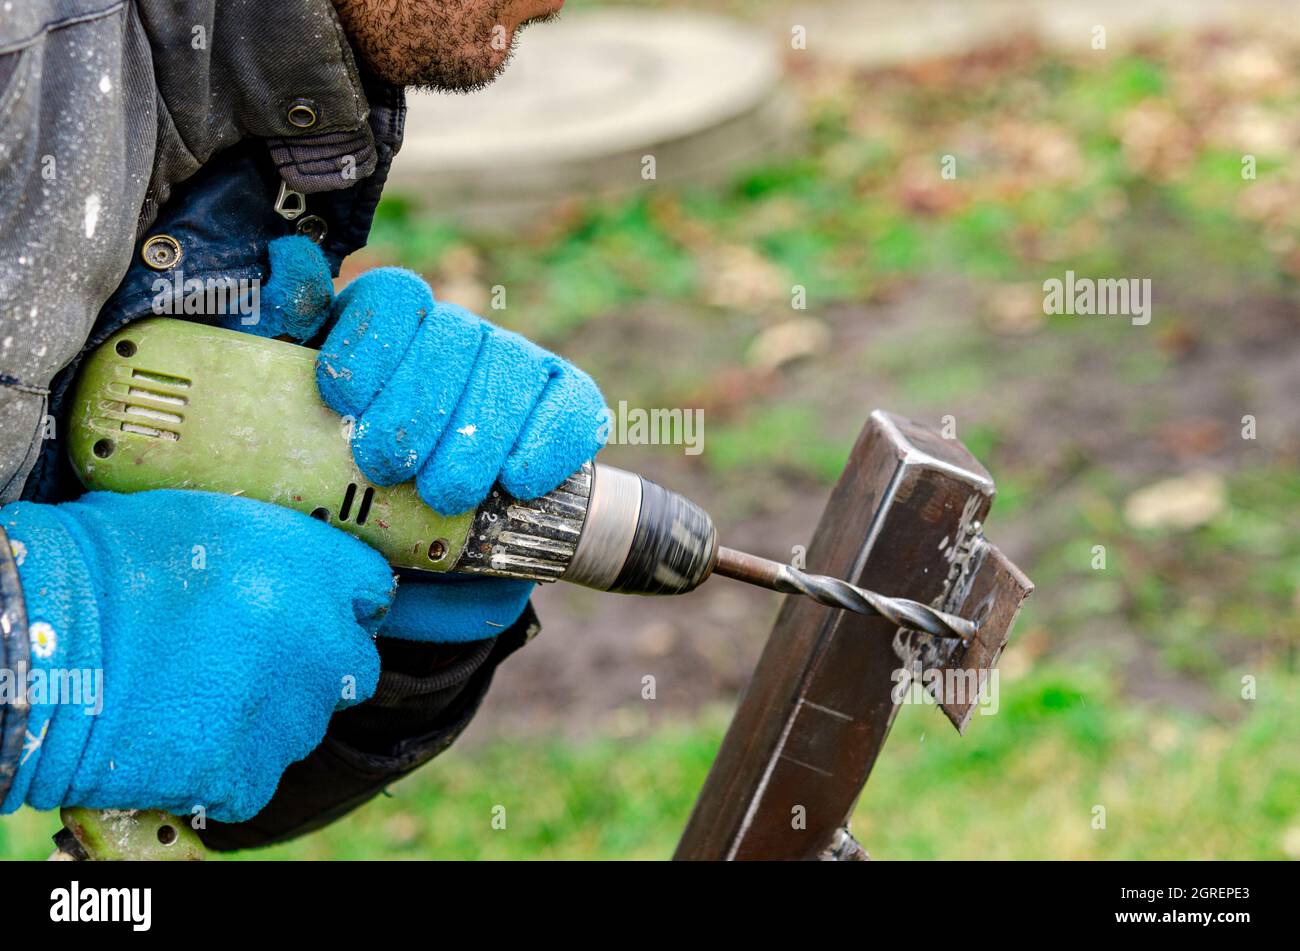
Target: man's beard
[
  {"x": 432, "y": 44},
  {"x": 441, "y": 69},
  {"x": 442, "y": 64}
]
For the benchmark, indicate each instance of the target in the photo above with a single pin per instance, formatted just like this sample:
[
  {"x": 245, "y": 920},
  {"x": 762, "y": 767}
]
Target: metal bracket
[
  {"x": 290, "y": 204},
  {"x": 844, "y": 848},
  {"x": 905, "y": 518}
]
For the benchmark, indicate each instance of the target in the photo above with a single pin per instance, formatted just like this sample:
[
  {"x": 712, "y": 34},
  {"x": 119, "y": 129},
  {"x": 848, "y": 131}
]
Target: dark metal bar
[{"x": 905, "y": 517}]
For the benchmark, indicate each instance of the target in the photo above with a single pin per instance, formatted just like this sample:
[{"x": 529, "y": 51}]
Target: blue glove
[
  {"x": 455, "y": 608},
  {"x": 444, "y": 397},
  {"x": 226, "y": 632},
  {"x": 295, "y": 300},
  {"x": 429, "y": 367}
]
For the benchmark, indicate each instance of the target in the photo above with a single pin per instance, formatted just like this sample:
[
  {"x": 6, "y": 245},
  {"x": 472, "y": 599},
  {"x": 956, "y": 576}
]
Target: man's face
[{"x": 456, "y": 45}]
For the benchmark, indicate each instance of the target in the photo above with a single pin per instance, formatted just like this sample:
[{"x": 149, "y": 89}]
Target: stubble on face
[{"x": 446, "y": 45}]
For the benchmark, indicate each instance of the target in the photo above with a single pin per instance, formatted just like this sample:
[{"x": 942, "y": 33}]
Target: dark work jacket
[{"x": 194, "y": 143}]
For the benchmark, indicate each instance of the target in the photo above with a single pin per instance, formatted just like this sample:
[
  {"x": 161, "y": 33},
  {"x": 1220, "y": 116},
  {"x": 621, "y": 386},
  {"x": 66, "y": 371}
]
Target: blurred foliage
[
  {"x": 1128, "y": 163},
  {"x": 1173, "y": 785},
  {"x": 1023, "y": 783},
  {"x": 781, "y": 439}
]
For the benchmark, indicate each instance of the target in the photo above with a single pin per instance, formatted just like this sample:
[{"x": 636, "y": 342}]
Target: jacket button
[
  {"x": 313, "y": 227},
  {"x": 161, "y": 252},
  {"x": 302, "y": 113}
]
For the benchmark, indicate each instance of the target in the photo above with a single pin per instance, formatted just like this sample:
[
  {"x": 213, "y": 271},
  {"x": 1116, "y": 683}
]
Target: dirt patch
[{"x": 587, "y": 670}]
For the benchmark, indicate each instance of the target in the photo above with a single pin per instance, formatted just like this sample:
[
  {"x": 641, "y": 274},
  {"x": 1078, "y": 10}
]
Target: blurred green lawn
[{"x": 1023, "y": 783}]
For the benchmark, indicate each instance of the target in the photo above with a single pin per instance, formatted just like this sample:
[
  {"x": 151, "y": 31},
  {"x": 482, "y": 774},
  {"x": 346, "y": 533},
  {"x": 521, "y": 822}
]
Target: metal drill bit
[{"x": 840, "y": 594}]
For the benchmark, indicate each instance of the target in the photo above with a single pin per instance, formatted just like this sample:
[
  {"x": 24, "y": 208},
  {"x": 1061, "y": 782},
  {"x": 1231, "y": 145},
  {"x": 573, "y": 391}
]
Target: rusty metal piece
[
  {"x": 844, "y": 848},
  {"x": 993, "y": 589},
  {"x": 906, "y": 517},
  {"x": 836, "y": 593}
]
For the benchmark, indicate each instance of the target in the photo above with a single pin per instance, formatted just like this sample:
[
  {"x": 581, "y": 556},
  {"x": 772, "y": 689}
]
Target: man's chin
[
  {"x": 461, "y": 76},
  {"x": 465, "y": 76},
  {"x": 548, "y": 17},
  {"x": 542, "y": 10}
]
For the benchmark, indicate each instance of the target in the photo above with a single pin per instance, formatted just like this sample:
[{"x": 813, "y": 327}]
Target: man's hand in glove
[
  {"x": 443, "y": 397},
  {"x": 227, "y": 632}
]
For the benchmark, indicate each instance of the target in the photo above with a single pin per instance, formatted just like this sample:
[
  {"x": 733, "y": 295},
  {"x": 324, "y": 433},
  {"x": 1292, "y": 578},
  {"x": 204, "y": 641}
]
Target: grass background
[{"x": 1024, "y": 783}]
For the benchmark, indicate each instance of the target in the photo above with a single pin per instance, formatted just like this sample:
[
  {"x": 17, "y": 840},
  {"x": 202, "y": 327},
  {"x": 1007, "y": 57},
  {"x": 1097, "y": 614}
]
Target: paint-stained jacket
[{"x": 125, "y": 122}]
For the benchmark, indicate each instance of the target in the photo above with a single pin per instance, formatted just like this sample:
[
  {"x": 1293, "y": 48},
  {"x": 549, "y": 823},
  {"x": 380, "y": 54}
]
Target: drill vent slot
[
  {"x": 143, "y": 394},
  {"x": 363, "y": 510},
  {"x": 150, "y": 413},
  {"x": 161, "y": 379},
  {"x": 150, "y": 431},
  {"x": 346, "y": 508}
]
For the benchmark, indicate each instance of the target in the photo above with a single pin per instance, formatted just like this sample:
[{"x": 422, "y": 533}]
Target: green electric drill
[
  {"x": 175, "y": 404},
  {"x": 169, "y": 403}
]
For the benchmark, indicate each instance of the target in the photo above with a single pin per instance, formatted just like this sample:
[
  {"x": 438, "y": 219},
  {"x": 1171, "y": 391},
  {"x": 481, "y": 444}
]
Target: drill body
[{"x": 168, "y": 403}]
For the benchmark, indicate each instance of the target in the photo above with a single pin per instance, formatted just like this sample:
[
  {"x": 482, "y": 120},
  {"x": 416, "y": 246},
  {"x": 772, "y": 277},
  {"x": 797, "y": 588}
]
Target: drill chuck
[
  {"x": 669, "y": 547},
  {"x": 604, "y": 528}
]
